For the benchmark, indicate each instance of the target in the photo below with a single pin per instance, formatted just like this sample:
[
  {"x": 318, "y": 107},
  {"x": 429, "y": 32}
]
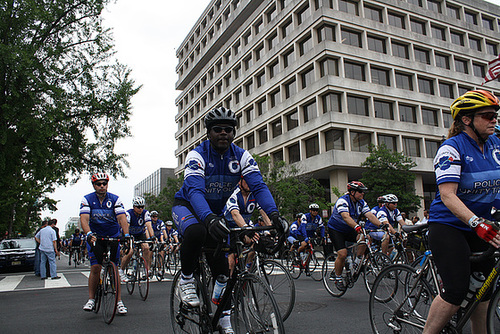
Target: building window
[
  {"x": 475, "y": 43},
  {"x": 416, "y": 2},
  {"x": 348, "y": 6},
  {"x": 276, "y": 128},
  {"x": 357, "y": 105},
  {"x": 290, "y": 88},
  {"x": 425, "y": 86},
  {"x": 388, "y": 141},
  {"x": 404, "y": 81},
  {"x": 462, "y": 90},
  {"x": 434, "y": 5},
  {"x": 411, "y": 147},
  {"x": 307, "y": 77},
  {"x": 237, "y": 96},
  {"x": 457, "y": 38},
  {"x": 249, "y": 88},
  {"x": 292, "y": 120},
  {"x": 312, "y": 146},
  {"x": 331, "y": 102},
  {"x": 446, "y": 90},
  {"x": 277, "y": 156},
  {"x": 309, "y": 111},
  {"x": 351, "y": 37},
  {"x": 417, "y": 26},
  {"x": 288, "y": 57},
  {"x": 250, "y": 139},
  {"x": 260, "y": 78},
  {"x": 334, "y": 140},
  {"x": 237, "y": 72},
  {"x": 274, "y": 68},
  {"x": 262, "y": 135},
  {"x": 407, "y": 113},
  {"x": 275, "y": 98},
  {"x": 305, "y": 45},
  {"x": 249, "y": 115},
  {"x": 438, "y": 32},
  {"x": 360, "y": 141},
  {"x": 261, "y": 107},
  {"x": 248, "y": 62},
  {"x": 373, "y": 13},
  {"x": 488, "y": 23},
  {"x": 453, "y": 11},
  {"x": 287, "y": 28},
  {"x": 302, "y": 14},
  {"x": 259, "y": 52},
  {"x": 380, "y": 76},
  {"x": 491, "y": 48},
  {"x": 461, "y": 66},
  {"x": 431, "y": 148},
  {"x": 293, "y": 153},
  {"x": 326, "y": 32},
  {"x": 354, "y": 71},
  {"x": 429, "y": 117},
  {"x": 383, "y": 109},
  {"x": 396, "y": 20},
  {"x": 478, "y": 70},
  {"x": 442, "y": 61},
  {"x": 470, "y": 17},
  {"x": 400, "y": 50},
  {"x": 257, "y": 27},
  {"x": 376, "y": 44},
  {"x": 271, "y": 13},
  {"x": 272, "y": 41},
  {"x": 447, "y": 119},
  {"x": 328, "y": 66}
]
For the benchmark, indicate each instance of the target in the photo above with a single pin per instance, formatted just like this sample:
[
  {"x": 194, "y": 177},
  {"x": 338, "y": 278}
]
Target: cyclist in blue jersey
[
  {"x": 140, "y": 228},
  {"x": 172, "y": 237},
  {"x": 381, "y": 236},
  {"x": 343, "y": 225},
  {"x": 297, "y": 234},
  {"x": 158, "y": 226},
  {"x": 313, "y": 224},
  {"x": 74, "y": 245},
  {"x": 467, "y": 169},
  {"x": 212, "y": 172},
  {"x": 390, "y": 214},
  {"x": 102, "y": 214}
]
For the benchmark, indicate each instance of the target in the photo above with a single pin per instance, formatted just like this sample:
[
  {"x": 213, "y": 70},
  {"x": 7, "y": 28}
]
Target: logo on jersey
[
  {"x": 469, "y": 158},
  {"x": 444, "y": 162},
  {"x": 109, "y": 204},
  {"x": 252, "y": 162},
  {"x": 234, "y": 166},
  {"x": 232, "y": 200},
  {"x": 250, "y": 207},
  {"x": 496, "y": 156},
  {"x": 193, "y": 165}
]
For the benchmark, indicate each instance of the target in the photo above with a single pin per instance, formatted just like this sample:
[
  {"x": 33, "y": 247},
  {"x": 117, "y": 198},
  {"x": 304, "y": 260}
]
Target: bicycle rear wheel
[
  {"x": 160, "y": 267},
  {"x": 255, "y": 309},
  {"x": 373, "y": 266},
  {"x": 172, "y": 263},
  {"x": 109, "y": 292},
  {"x": 97, "y": 298},
  {"x": 328, "y": 276},
  {"x": 399, "y": 301},
  {"x": 131, "y": 272},
  {"x": 142, "y": 278},
  {"x": 493, "y": 316},
  {"x": 316, "y": 265},
  {"x": 293, "y": 264},
  {"x": 281, "y": 284}
]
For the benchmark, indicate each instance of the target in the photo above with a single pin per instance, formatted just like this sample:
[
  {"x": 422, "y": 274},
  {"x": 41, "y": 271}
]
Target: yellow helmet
[{"x": 472, "y": 100}]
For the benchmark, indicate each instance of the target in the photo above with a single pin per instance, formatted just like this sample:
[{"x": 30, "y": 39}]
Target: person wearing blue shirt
[
  {"x": 467, "y": 169},
  {"x": 212, "y": 172},
  {"x": 158, "y": 226},
  {"x": 102, "y": 214},
  {"x": 298, "y": 233},
  {"x": 343, "y": 225},
  {"x": 381, "y": 236},
  {"x": 74, "y": 245}
]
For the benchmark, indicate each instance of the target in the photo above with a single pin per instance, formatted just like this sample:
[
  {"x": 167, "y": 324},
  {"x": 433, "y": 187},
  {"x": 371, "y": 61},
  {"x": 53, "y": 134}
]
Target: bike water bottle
[
  {"x": 476, "y": 281},
  {"x": 219, "y": 286},
  {"x": 348, "y": 263}
]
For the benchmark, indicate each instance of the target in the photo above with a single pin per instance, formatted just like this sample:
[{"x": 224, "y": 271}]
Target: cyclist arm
[
  {"x": 238, "y": 218},
  {"x": 265, "y": 217},
  {"x": 122, "y": 220},
  {"x": 84, "y": 222},
  {"x": 374, "y": 220},
  {"x": 348, "y": 220},
  {"x": 149, "y": 229}
]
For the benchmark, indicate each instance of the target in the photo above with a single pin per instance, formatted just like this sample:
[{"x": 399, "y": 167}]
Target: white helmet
[
  {"x": 169, "y": 223},
  {"x": 138, "y": 201},
  {"x": 313, "y": 206},
  {"x": 391, "y": 198}
]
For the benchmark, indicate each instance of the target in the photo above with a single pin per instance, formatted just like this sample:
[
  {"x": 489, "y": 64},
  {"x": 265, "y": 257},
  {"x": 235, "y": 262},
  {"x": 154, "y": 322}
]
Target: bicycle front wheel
[
  {"x": 328, "y": 275},
  {"x": 255, "y": 309},
  {"x": 316, "y": 265},
  {"x": 493, "y": 316},
  {"x": 109, "y": 292},
  {"x": 281, "y": 284},
  {"x": 159, "y": 267},
  {"x": 131, "y": 272},
  {"x": 399, "y": 301},
  {"x": 142, "y": 278},
  {"x": 373, "y": 266},
  {"x": 293, "y": 263}
]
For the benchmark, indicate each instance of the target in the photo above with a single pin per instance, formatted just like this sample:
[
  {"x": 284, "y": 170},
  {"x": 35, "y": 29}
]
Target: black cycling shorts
[
  {"x": 96, "y": 253},
  {"x": 339, "y": 239}
]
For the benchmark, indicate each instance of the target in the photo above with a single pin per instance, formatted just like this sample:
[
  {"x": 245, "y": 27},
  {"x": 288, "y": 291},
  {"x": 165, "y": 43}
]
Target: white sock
[{"x": 225, "y": 319}]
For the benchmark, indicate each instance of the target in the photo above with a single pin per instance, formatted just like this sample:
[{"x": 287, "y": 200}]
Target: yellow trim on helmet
[{"x": 472, "y": 100}]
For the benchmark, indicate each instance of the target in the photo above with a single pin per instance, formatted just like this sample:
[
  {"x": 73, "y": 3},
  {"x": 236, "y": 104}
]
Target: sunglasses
[
  {"x": 99, "y": 184},
  {"x": 488, "y": 115},
  {"x": 140, "y": 207},
  {"x": 317, "y": 210},
  {"x": 227, "y": 129}
]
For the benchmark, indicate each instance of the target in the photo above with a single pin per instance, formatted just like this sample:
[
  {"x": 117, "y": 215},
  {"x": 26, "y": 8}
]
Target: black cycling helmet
[{"x": 220, "y": 115}]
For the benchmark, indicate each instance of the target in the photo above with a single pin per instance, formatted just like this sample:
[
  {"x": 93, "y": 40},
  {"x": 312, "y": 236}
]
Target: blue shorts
[
  {"x": 377, "y": 235},
  {"x": 183, "y": 218}
]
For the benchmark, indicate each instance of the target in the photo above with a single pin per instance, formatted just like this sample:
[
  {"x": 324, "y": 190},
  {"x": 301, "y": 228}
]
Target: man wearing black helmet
[{"x": 212, "y": 172}]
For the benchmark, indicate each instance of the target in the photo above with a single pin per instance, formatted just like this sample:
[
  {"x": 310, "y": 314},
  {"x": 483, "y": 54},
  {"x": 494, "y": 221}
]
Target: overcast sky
[{"x": 147, "y": 34}]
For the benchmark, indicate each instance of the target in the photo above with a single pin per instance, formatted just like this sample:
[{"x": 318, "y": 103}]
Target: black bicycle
[{"x": 137, "y": 271}]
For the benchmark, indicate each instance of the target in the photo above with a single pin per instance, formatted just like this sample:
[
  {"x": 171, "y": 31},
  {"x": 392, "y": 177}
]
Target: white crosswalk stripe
[{"x": 10, "y": 283}]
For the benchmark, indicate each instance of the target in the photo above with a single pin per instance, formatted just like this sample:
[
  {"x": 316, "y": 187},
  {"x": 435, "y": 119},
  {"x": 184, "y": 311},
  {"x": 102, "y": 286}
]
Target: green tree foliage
[
  {"x": 163, "y": 203},
  {"x": 64, "y": 102},
  {"x": 388, "y": 172},
  {"x": 292, "y": 191}
]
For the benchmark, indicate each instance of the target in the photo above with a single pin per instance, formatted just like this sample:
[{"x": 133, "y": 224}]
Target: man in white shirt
[{"x": 48, "y": 251}]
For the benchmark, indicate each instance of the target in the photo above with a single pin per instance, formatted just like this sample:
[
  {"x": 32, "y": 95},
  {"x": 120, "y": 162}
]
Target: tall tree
[
  {"x": 64, "y": 101},
  {"x": 388, "y": 172}
]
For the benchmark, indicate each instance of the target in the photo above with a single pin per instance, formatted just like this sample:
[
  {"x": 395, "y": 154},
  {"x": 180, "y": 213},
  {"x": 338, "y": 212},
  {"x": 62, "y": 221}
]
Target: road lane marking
[
  {"x": 10, "y": 283},
  {"x": 58, "y": 283}
]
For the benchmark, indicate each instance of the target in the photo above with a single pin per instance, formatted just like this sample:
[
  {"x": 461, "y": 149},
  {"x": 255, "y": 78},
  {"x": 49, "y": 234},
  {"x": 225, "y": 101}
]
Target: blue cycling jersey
[
  {"x": 158, "y": 227},
  {"x": 368, "y": 224},
  {"x": 210, "y": 178},
  {"x": 393, "y": 217},
  {"x": 345, "y": 204},
  {"x": 310, "y": 224},
  {"x": 297, "y": 230},
  {"x": 76, "y": 239},
  {"x": 137, "y": 223},
  {"x": 460, "y": 160},
  {"x": 237, "y": 202},
  {"x": 103, "y": 215},
  {"x": 170, "y": 234}
]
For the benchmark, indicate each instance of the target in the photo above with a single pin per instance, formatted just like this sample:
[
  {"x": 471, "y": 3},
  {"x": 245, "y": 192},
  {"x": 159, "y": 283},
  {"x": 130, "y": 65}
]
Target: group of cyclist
[{"x": 223, "y": 186}]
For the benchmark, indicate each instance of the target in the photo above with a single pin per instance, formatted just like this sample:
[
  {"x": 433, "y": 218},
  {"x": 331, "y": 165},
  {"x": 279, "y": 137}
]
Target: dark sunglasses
[
  {"x": 488, "y": 115},
  {"x": 140, "y": 207},
  {"x": 227, "y": 129},
  {"x": 101, "y": 184},
  {"x": 317, "y": 210},
  {"x": 360, "y": 191}
]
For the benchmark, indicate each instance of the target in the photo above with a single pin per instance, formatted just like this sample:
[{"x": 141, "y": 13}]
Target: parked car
[{"x": 16, "y": 253}]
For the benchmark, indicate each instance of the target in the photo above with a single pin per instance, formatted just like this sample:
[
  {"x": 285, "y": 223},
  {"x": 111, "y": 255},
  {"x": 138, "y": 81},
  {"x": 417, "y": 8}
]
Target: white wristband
[{"x": 474, "y": 217}]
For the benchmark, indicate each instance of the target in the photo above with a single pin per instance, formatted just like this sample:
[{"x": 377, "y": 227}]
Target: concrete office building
[
  {"x": 314, "y": 82},
  {"x": 154, "y": 183}
]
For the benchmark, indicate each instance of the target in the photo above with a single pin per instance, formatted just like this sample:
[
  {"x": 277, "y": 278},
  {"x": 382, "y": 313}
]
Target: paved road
[{"x": 35, "y": 306}]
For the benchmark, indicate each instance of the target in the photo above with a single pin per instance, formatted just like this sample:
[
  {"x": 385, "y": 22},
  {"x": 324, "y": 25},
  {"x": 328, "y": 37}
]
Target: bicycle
[
  {"x": 137, "y": 271},
  {"x": 402, "y": 296},
  {"x": 171, "y": 259},
  {"x": 311, "y": 263},
  {"x": 254, "y": 307},
  {"x": 107, "y": 289},
  {"x": 158, "y": 261},
  {"x": 370, "y": 266},
  {"x": 75, "y": 255}
]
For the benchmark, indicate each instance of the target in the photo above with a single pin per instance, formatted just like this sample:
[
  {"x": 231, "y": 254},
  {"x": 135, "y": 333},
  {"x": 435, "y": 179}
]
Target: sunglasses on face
[
  {"x": 99, "y": 184},
  {"x": 488, "y": 115},
  {"x": 315, "y": 210},
  {"x": 140, "y": 207},
  {"x": 227, "y": 129}
]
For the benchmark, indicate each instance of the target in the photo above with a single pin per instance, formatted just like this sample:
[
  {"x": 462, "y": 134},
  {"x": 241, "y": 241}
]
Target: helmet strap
[{"x": 471, "y": 125}]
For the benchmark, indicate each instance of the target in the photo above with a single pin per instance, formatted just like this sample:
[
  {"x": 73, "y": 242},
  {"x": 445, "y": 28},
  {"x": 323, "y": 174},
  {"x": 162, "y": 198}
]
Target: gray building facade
[
  {"x": 314, "y": 82},
  {"x": 154, "y": 183}
]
